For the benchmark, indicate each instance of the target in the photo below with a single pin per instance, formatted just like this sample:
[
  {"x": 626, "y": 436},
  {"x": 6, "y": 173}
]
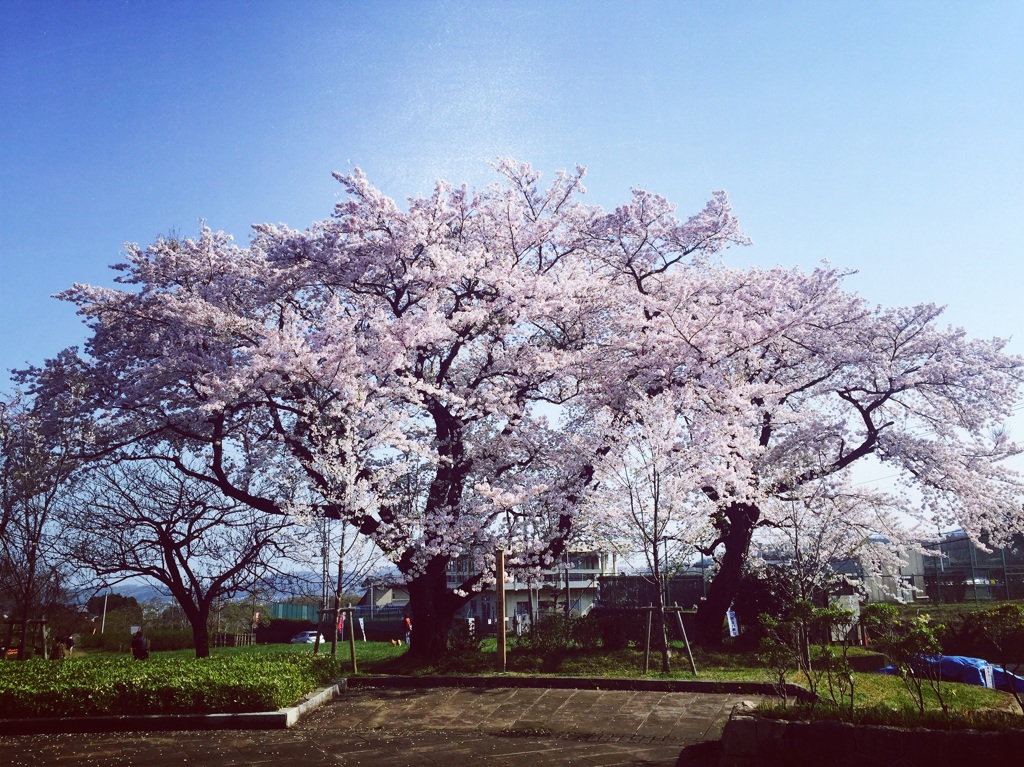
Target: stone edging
[
  {"x": 254, "y": 720},
  {"x": 751, "y": 741}
]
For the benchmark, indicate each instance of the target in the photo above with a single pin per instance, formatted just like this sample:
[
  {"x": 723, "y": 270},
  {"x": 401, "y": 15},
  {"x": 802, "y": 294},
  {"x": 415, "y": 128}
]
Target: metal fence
[{"x": 967, "y": 573}]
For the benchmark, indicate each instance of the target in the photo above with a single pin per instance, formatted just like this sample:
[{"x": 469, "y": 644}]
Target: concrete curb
[
  {"x": 752, "y": 741},
  {"x": 255, "y": 720},
  {"x": 580, "y": 683}
]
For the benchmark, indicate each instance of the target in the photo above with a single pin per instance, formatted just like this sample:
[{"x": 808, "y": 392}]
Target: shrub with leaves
[
  {"x": 996, "y": 634},
  {"x": 618, "y": 627},
  {"x": 223, "y": 684},
  {"x": 814, "y": 641},
  {"x": 763, "y": 591},
  {"x": 463, "y": 638},
  {"x": 586, "y": 633},
  {"x": 549, "y": 634},
  {"x": 909, "y": 645}
]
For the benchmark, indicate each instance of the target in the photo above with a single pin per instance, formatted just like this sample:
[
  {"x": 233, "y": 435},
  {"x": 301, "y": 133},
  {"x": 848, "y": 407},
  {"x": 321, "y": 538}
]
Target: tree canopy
[{"x": 452, "y": 376}]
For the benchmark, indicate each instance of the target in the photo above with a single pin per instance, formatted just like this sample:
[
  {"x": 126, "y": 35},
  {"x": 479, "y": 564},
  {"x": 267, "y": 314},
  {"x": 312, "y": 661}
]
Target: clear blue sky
[{"x": 883, "y": 136}]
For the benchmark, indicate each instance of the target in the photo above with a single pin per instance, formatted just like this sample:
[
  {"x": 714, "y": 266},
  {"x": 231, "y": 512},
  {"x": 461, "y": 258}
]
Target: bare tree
[
  {"x": 36, "y": 471},
  {"x": 143, "y": 519}
]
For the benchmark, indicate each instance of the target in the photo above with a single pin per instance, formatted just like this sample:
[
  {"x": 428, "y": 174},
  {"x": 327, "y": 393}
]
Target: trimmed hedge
[
  {"x": 159, "y": 639},
  {"x": 219, "y": 684}
]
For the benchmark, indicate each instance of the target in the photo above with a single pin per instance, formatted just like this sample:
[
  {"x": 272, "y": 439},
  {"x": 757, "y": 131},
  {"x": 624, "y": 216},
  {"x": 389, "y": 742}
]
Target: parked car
[{"x": 306, "y": 637}]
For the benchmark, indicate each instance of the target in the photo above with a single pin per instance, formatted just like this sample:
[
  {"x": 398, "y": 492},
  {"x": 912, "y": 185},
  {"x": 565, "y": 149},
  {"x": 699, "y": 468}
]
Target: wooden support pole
[
  {"x": 499, "y": 605},
  {"x": 682, "y": 629},
  {"x": 647, "y": 639},
  {"x": 350, "y": 619}
]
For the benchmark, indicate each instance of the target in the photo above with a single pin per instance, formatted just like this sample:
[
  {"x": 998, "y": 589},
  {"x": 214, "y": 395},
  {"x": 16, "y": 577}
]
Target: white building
[{"x": 573, "y": 581}]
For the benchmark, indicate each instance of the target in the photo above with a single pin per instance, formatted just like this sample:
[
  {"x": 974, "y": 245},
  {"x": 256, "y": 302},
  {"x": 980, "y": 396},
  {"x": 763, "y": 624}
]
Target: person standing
[{"x": 140, "y": 646}]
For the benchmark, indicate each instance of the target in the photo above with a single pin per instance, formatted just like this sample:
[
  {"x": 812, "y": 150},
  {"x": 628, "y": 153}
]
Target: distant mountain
[
  {"x": 287, "y": 586},
  {"x": 142, "y": 592}
]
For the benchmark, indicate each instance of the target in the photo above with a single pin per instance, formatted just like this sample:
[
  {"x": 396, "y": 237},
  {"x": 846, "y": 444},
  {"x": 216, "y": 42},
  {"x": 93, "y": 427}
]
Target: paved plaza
[{"x": 428, "y": 727}]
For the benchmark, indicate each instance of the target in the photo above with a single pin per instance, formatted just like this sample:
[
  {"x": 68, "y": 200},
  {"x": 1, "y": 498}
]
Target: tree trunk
[
  {"x": 665, "y": 663},
  {"x": 659, "y": 591},
  {"x": 738, "y": 529},
  {"x": 198, "y": 616},
  {"x": 433, "y": 609},
  {"x": 201, "y": 634}
]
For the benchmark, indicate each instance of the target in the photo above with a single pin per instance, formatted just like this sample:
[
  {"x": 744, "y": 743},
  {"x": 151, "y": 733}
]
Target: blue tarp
[{"x": 960, "y": 668}]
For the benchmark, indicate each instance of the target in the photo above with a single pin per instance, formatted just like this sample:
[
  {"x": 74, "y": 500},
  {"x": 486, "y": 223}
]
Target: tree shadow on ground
[{"x": 703, "y": 754}]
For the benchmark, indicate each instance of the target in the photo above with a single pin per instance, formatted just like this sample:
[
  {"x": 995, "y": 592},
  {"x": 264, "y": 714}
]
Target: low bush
[
  {"x": 586, "y": 632},
  {"x": 889, "y": 716},
  {"x": 171, "y": 639},
  {"x": 618, "y": 628},
  {"x": 549, "y": 634},
  {"x": 766, "y": 591},
  {"x": 463, "y": 638},
  {"x": 905, "y": 644},
  {"x": 219, "y": 684},
  {"x": 993, "y": 633},
  {"x": 160, "y": 640}
]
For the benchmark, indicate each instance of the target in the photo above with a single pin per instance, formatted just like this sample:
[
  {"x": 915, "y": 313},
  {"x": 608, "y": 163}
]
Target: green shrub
[
  {"x": 463, "y": 638},
  {"x": 586, "y": 632},
  {"x": 114, "y": 641},
  {"x": 907, "y": 644},
  {"x": 220, "y": 684},
  {"x": 889, "y": 716},
  {"x": 549, "y": 634},
  {"x": 991, "y": 634},
  {"x": 162, "y": 640},
  {"x": 767, "y": 591},
  {"x": 618, "y": 628},
  {"x": 804, "y": 641}
]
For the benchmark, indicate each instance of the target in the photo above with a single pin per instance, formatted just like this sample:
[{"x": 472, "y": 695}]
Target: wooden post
[
  {"x": 647, "y": 640},
  {"x": 350, "y": 614},
  {"x": 499, "y": 605},
  {"x": 682, "y": 629}
]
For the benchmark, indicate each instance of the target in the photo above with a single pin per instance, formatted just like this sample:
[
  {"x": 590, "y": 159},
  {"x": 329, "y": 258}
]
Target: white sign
[
  {"x": 734, "y": 627},
  {"x": 362, "y": 628},
  {"x": 988, "y": 676}
]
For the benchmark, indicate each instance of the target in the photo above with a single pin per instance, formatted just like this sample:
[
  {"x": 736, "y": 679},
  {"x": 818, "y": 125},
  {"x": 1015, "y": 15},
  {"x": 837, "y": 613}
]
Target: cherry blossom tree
[
  {"x": 800, "y": 380},
  {"x": 377, "y": 345},
  {"x": 814, "y": 536},
  {"x": 794, "y": 380},
  {"x": 647, "y": 488}
]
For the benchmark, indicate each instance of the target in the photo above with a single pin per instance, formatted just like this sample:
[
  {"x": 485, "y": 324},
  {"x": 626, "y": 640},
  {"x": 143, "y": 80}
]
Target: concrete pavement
[{"x": 536, "y": 727}]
